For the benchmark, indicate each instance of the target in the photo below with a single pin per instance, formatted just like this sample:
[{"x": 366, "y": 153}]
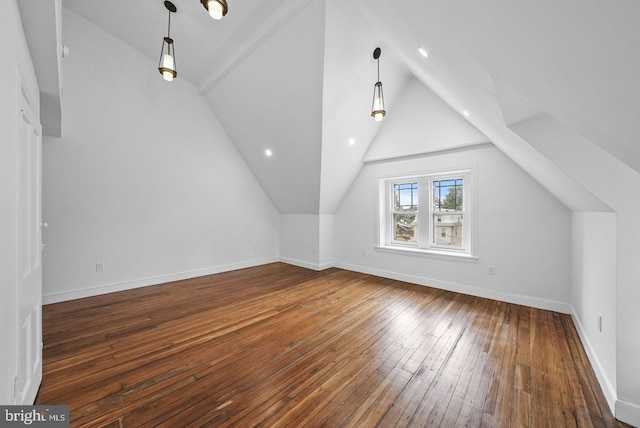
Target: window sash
[
  {"x": 425, "y": 236},
  {"x": 455, "y": 238},
  {"x": 455, "y": 179},
  {"x": 392, "y": 212}
]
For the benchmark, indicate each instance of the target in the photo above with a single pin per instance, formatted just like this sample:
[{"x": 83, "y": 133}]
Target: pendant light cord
[{"x": 169, "y": 28}]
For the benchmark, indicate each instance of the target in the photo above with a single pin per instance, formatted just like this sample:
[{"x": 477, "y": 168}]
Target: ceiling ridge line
[{"x": 284, "y": 13}]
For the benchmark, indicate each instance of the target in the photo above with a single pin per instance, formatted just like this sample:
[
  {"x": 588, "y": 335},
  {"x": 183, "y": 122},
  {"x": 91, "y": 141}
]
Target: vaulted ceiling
[{"x": 296, "y": 77}]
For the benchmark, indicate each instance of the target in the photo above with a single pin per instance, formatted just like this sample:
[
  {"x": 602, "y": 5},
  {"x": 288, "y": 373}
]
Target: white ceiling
[
  {"x": 200, "y": 42},
  {"x": 297, "y": 76}
]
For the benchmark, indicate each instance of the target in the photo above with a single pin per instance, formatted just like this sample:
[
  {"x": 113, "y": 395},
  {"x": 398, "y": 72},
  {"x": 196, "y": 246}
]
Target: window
[
  {"x": 428, "y": 213},
  {"x": 405, "y": 210},
  {"x": 447, "y": 211}
]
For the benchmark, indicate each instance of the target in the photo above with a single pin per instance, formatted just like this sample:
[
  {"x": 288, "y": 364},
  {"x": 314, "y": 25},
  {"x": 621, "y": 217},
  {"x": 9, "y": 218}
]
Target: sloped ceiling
[
  {"x": 438, "y": 126},
  {"x": 296, "y": 77},
  {"x": 350, "y": 73},
  {"x": 574, "y": 59},
  {"x": 272, "y": 100}
]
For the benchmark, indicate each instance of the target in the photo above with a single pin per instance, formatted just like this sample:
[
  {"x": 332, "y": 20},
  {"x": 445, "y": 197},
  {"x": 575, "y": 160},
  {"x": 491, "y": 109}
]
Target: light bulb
[
  {"x": 215, "y": 9},
  {"x": 378, "y": 117}
]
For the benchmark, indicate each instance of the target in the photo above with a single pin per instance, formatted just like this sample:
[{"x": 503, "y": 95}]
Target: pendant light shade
[
  {"x": 167, "y": 64},
  {"x": 217, "y": 8},
  {"x": 377, "y": 106}
]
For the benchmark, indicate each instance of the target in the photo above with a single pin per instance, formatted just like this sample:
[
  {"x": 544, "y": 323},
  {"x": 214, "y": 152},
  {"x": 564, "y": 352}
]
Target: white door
[{"x": 29, "y": 256}]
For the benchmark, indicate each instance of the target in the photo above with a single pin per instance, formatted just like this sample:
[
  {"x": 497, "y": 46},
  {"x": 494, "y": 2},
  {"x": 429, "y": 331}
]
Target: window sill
[{"x": 438, "y": 254}]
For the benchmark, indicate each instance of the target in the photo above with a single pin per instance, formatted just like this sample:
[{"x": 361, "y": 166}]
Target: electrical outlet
[
  {"x": 364, "y": 253},
  {"x": 492, "y": 270},
  {"x": 99, "y": 266}
]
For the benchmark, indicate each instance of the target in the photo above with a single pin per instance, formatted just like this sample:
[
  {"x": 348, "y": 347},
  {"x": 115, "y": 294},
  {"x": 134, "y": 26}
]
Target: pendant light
[
  {"x": 377, "y": 106},
  {"x": 167, "y": 65},
  {"x": 217, "y": 8}
]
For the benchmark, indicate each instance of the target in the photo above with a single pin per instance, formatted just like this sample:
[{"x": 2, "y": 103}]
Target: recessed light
[
  {"x": 423, "y": 52},
  {"x": 352, "y": 141},
  {"x": 466, "y": 113},
  {"x": 268, "y": 152}
]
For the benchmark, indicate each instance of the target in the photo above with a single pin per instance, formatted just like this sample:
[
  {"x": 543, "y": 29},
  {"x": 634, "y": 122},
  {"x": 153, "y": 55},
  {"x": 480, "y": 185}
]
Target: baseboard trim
[
  {"x": 307, "y": 265},
  {"x": 153, "y": 280},
  {"x": 606, "y": 385},
  {"x": 517, "y": 299},
  {"x": 628, "y": 412}
]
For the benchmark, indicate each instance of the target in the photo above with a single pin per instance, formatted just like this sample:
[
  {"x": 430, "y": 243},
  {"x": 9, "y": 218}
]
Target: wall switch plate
[
  {"x": 14, "y": 390},
  {"x": 600, "y": 323},
  {"x": 492, "y": 270},
  {"x": 99, "y": 266}
]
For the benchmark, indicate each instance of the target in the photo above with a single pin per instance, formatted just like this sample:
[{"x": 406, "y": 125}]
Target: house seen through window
[
  {"x": 447, "y": 212},
  {"x": 427, "y": 212},
  {"x": 405, "y": 212}
]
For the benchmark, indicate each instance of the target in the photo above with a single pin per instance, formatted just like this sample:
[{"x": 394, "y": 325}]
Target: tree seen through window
[{"x": 447, "y": 195}]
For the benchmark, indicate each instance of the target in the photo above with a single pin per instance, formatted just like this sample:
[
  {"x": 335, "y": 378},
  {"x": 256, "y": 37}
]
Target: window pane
[
  {"x": 447, "y": 230},
  {"x": 405, "y": 197},
  {"x": 405, "y": 228},
  {"x": 447, "y": 195}
]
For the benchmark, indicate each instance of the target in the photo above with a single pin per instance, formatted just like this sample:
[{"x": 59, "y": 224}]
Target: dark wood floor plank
[
  {"x": 381, "y": 358},
  {"x": 448, "y": 331},
  {"x": 311, "y": 366},
  {"x": 393, "y": 374},
  {"x": 278, "y": 345},
  {"x": 354, "y": 360},
  {"x": 465, "y": 396}
]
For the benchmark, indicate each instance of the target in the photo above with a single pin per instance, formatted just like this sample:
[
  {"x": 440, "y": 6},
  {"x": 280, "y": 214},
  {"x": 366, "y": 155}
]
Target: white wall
[
  {"x": 9, "y": 87},
  {"x": 16, "y": 61},
  {"x": 144, "y": 179},
  {"x": 593, "y": 292},
  {"x": 326, "y": 240},
  {"x": 307, "y": 240},
  {"x": 522, "y": 230},
  {"x": 300, "y": 240}
]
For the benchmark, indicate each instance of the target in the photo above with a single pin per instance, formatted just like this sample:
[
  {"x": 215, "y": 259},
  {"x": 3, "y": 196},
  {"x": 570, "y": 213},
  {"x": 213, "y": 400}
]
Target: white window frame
[{"x": 425, "y": 244}]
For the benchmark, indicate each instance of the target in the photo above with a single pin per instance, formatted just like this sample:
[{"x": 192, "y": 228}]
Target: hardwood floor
[{"x": 281, "y": 346}]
